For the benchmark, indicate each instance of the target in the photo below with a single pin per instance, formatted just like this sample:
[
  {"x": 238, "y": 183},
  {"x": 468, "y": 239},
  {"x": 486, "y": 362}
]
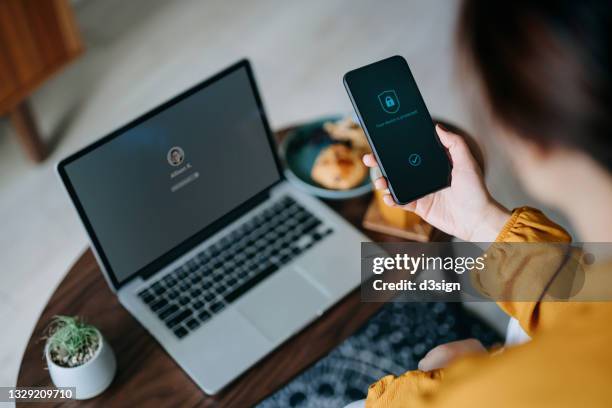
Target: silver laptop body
[
  {"x": 218, "y": 315},
  {"x": 265, "y": 316}
]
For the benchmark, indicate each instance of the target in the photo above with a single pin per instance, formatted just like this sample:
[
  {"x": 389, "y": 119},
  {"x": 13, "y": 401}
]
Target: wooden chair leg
[{"x": 27, "y": 132}]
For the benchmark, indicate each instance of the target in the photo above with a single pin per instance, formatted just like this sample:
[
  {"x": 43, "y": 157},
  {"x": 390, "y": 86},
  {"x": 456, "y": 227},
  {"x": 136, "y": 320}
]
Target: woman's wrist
[{"x": 492, "y": 221}]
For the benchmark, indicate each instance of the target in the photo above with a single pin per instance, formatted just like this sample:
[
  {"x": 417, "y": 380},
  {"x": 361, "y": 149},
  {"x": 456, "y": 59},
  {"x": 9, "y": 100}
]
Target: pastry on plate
[
  {"x": 339, "y": 167},
  {"x": 346, "y": 130}
]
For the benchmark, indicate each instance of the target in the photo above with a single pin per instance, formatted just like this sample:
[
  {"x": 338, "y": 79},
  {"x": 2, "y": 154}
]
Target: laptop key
[
  {"x": 285, "y": 258},
  {"x": 144, "y": 293},
  {"x": 193, "y": 324},
  {"x": 311, "y": 225},
  {"x": 217, "y": 307},
  {"x": 179, "y": 318},
  {"x": 168, "y": 311},
  {"x": 180, "y": 332},
  {"x": 146, "y": 296},
  {"x": 158, "y": 305},
  {"x": 172, "y": 294},
  {"x": 204, "y": 316}
]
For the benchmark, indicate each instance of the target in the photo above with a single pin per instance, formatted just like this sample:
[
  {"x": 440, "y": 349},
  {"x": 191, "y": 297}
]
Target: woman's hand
[
  {"x": 444, "y": 354},
  {"x": 465, "y": 209}
]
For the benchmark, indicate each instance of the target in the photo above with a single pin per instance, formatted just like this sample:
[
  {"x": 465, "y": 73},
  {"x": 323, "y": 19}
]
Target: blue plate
[{"x": 299, "y": 150}]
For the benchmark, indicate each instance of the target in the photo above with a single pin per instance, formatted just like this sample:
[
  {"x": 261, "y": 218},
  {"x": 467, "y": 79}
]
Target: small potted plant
[{"x": 78, "y": 356}]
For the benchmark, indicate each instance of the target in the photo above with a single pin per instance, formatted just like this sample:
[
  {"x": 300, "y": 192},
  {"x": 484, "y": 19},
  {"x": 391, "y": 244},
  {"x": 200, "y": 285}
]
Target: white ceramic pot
[{"x": 89, "y": 379}]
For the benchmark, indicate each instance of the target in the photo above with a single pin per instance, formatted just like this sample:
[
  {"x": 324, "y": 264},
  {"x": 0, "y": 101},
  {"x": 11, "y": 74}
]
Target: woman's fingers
[
  {"x": 369, "y": 160},
  {"x": 391, "y": 203},
  {"x": 441, "y": 356},
  {"x": 381, "y": 184},
  {"x": 389, "y": 200}
]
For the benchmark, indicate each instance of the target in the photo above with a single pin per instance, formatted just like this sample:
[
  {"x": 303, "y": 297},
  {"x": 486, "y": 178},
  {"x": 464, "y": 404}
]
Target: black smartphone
[{"x": 399, "y": 128}]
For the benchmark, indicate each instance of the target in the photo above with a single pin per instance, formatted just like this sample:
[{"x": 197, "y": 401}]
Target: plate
[{"x": 299, "y": 150}]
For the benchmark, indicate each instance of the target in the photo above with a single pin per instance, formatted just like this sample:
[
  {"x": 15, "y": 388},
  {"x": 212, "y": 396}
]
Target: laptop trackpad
[{"x": 281, "y": 305}]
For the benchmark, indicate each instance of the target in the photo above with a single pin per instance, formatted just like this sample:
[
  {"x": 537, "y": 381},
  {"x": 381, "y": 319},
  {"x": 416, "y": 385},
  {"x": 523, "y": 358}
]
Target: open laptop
[{"x": 200, "y": 236}]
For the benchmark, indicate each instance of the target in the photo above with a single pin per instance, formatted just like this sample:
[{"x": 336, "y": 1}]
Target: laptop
[{"x": 200, "y": 236}]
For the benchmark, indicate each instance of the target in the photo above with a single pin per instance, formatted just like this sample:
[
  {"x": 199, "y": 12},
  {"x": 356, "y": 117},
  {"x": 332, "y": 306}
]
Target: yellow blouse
[{"x": 568, "y": 363}]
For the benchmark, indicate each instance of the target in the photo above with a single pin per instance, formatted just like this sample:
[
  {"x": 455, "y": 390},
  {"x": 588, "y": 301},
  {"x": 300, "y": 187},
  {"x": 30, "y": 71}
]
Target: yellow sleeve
[
  {"x": 518, "y": 273},
  {"x": 530, "y": 225},
  {"x": 526, "y": 271}
]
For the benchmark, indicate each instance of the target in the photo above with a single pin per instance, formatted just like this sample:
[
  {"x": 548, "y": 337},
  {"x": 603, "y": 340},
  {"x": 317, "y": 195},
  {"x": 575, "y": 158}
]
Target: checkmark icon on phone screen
[{"x": 414, "y": 159}]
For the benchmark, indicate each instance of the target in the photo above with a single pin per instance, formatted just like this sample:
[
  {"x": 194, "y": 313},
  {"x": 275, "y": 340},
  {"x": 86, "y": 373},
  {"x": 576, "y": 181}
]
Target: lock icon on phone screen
[{"x": 389, "y": 102}]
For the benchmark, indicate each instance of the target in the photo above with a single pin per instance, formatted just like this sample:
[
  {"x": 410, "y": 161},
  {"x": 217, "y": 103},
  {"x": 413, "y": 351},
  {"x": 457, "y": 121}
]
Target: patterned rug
[{"x": 392, "y": 342}]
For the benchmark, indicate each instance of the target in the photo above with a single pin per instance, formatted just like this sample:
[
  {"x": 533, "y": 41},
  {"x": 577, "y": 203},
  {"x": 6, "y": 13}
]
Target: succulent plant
[{"x": 71, "y": 341}]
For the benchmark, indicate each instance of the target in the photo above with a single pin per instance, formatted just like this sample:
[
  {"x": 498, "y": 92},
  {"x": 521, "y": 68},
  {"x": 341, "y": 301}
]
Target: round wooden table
[{"x": 147, "y": 376}]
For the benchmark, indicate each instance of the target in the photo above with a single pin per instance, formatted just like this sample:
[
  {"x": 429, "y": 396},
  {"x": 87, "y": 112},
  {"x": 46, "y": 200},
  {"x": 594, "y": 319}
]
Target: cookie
[
  {"x": 346, "y": 130},
  {"x": 338, "y": 167}
]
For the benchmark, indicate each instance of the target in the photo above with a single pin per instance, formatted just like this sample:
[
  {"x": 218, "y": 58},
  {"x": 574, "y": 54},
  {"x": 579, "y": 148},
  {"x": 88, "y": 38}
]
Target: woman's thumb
[
  {"x": 456, "y": 146},
  {"x": 447, "y": 138}
]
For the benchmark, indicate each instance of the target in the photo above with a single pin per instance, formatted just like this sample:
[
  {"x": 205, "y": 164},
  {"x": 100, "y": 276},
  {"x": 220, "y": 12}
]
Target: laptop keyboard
[{"x": 192, "y": 293}]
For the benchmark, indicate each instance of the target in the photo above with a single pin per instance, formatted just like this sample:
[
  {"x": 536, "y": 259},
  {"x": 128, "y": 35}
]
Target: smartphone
[{"x": 399, "y": 129}]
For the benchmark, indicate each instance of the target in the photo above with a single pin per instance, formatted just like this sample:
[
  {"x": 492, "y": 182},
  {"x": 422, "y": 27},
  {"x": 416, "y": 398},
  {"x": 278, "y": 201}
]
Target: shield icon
[{"x": 389, "y": 101}]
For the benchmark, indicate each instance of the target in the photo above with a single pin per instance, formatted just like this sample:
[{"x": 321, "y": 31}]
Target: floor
[{"x": 142, "y": 52}]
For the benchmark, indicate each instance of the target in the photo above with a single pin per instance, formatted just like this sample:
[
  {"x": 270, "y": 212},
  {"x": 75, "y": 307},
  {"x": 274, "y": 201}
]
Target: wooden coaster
[{"x": 374, "y": 221}]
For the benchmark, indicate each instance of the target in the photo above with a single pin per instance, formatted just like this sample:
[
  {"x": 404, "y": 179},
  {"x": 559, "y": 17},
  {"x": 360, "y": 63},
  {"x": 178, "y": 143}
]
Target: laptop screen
[{"x": 158, "y": 183}]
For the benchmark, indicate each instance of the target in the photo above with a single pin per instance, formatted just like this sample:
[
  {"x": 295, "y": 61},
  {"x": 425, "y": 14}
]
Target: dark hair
[{"x": 544, "y": 67}]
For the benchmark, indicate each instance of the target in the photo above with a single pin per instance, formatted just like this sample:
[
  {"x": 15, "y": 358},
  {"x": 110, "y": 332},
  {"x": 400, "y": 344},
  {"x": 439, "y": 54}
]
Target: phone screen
[{"x": 399, "y": 128}]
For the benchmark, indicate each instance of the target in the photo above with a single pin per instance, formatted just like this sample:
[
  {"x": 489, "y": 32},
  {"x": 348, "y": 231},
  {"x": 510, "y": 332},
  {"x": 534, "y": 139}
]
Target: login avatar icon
[{"x": 389, "y": 101}]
